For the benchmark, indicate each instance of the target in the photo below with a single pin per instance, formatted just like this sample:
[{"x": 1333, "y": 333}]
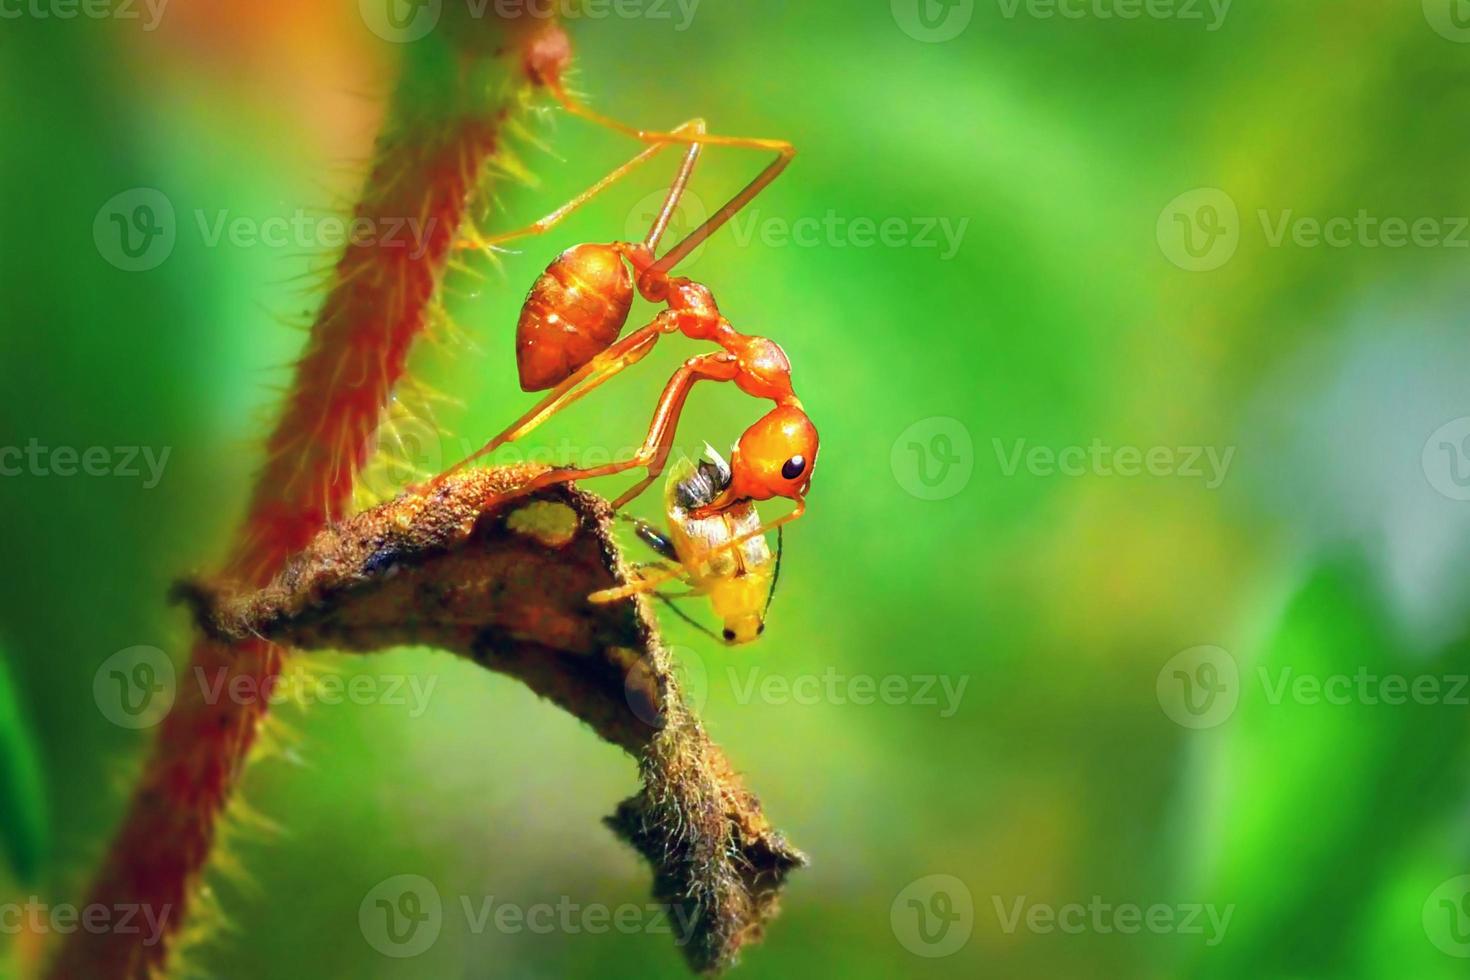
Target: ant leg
[
  {"x": 779, "y": 522},
  {"x": 676, "y": 191},
  {"x": 784, "y": 152},
  {"x": 602, "y": 368},
  {"x": 686, "y": 132},
  {"x": 650, "y": 587},
  {"x": 775, "y": 525},
  {"x": 716, "y": 367},
  {"x": 727, "y": 211},
  {"x": 643, "y": 581},
  {"x": 632, "y": 492},
  {"x": 720, "y": 366}
]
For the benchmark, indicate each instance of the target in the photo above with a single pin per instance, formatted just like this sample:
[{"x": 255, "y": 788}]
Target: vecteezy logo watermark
[
  {"x": 135, "y": 230},
  {"x": 1104, "y": 918},
  {"x": 933, "y": 458},
  {"x": 1446, "y": 459},
  {"x": 134, "y": 688},
  {"x": 403, "y": 916},
  {"x": 933, "y": 916},
  {"x": 689, "y": 213},
  {"x": 643, "y": 690},
  {"x": 1447, "y": 917},
  {"x": 1207, "y": 463},
  {"x": 1211, "y": 13},
  {"x": 400, "y": 21},
  {"x": 90, "y": 9},
  {"x": 125, "y": 919},
  {"x": 1449, "y": 18},
  {"x": 933, "y": 21},
  {"x": 1199, "y": 687},
  {"x": 37, "y": 460},
  {"x": 409, "y": 449},
  {"x": 1199, "y": 230}
]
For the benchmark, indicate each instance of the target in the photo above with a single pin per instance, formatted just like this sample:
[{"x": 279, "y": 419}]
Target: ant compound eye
[
  {"x": 760, "y": 629},
  {"x": 729, "y": 636},
  {"x": 793, "y": 467}
]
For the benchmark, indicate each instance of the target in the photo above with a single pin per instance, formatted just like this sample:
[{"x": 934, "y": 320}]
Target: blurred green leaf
[
  {"x": 1324, "y": 756},
  {"x": 23, "y": 827}
]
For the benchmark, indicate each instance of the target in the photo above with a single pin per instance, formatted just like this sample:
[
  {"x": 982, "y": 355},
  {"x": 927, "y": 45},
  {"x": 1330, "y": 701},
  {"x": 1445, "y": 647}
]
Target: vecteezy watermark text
[
  {"x": 1105, "y": 918},
  {"x": 1211, "y": 13},
  {"x": 89, "y": 9},
  {"x": 301, "y": 229},
  {"x": 400, "y": 690},
  {"x": 1364, "y": 686},
  {"x": 832, "y": 687},
  {"x": 1209, "y": 463},
  {"x": 128, "y": 462},
  {"x": 834, "y": 230},
  {"x": 402, "y": 917},
  {"x": 137, "y": 229},
  {"x": 1200, "y": 230},
  {"x": 1202, "y": 686},
  {"x": 36, "y": 916},
  {"x": 755, "y": 685},
  {"x": 136, "y": 688}
]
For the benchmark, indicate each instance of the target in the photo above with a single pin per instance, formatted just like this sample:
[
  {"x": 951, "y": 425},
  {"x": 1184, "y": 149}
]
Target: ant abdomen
[{"x": 575, "y": 310}]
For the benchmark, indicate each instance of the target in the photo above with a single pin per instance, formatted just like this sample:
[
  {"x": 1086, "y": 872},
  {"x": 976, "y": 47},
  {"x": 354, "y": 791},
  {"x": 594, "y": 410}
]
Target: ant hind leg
[
  {"x": 784, "y": 152},
  {"x": 686, "y": 132}
]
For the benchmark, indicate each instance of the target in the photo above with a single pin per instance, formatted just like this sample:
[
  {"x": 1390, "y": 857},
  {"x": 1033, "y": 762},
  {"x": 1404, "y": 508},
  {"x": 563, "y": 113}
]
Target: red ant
[{"x": 567, "y": 335}]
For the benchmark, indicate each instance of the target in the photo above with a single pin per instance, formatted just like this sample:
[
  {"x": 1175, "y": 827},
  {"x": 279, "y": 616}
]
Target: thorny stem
[{"x": 441, "y": 130}]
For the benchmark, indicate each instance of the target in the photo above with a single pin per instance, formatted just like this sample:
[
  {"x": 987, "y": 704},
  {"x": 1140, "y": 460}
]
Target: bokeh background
[{"x": 1189, "y": 703}]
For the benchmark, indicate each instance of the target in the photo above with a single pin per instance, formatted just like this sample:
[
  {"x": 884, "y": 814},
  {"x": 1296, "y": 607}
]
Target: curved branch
[{"x": 474, "y": 567}]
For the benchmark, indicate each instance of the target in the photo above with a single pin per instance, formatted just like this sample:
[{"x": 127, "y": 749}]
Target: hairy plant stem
[{"x": 440, "y": 131}]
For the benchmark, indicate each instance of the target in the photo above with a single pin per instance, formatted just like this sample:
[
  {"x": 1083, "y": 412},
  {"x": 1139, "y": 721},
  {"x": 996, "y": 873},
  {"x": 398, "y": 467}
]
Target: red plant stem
[{"x": 439, "y": 133}]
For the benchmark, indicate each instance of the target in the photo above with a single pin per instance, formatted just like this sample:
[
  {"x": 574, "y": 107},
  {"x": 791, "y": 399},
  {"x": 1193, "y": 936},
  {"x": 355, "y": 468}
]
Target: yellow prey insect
[{"x": 739, "y": 581}]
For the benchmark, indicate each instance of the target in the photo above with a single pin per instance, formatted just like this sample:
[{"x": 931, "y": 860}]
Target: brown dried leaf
[{"x": 477, "y": 568}]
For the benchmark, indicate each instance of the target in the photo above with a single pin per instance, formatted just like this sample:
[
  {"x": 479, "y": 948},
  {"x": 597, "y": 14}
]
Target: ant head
[{"x": 775, "y": 457}]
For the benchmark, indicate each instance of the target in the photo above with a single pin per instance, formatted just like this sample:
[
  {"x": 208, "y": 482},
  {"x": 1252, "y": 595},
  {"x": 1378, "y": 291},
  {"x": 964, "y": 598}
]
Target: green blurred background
[{"x": 1131, "y": 266}]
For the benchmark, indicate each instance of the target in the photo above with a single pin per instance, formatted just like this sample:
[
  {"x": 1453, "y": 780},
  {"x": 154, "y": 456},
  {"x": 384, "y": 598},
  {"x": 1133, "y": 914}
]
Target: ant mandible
[{"x": 567, "y": 335}]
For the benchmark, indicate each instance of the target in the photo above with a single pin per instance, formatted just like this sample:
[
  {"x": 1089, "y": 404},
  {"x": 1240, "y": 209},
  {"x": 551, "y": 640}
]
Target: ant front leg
[
  {"x": 719, "y": 366},
  {"x": 596, "y": 372},
  {"x": 764, "y": 529},
  {"x": 643, "y": 580}
]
